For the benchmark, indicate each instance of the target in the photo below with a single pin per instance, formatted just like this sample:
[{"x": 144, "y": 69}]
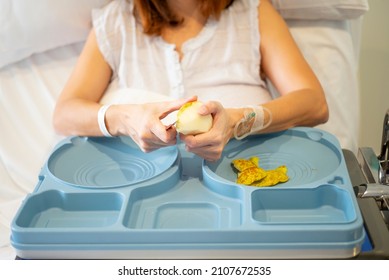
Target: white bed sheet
[
  {"x": 29, "y": 88},
  {"x": 332, "y": 50}
]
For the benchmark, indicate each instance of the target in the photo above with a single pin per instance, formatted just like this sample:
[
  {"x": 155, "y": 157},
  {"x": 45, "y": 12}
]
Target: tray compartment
[
  {"x": 107, "y": 162},
  {"x": 187, "y": 205},
  {"x": 309, "y": 156},
  {"x": 326, "y": 204},
  {"x": 56, "y": 209},
  {"x": 198, "y": 215}
]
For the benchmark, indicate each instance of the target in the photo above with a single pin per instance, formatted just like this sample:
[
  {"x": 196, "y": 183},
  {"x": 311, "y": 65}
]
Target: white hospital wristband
[{"x": 101, "y": 120}]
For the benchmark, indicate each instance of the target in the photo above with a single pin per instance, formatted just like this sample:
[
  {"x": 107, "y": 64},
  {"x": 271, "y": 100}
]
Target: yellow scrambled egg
[{"x": 251, "y": 174}]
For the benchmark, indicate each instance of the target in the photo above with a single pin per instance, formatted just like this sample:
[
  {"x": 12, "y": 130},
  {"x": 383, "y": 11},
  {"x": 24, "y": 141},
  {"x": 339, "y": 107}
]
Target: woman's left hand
[{"x": 210, "y": 145}]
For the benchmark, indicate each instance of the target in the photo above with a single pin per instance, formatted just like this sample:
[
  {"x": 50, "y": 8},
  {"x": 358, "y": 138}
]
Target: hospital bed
[{"x": 41, "y": 40}]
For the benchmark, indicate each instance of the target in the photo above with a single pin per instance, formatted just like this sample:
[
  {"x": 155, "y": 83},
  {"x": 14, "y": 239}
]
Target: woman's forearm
[
  {"x": 304, "y": 107},
  {"x": 77, "y": 117}
]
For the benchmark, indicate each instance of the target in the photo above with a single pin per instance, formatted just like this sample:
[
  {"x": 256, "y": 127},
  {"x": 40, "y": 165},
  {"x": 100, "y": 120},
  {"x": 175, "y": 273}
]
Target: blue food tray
[{"x": 104, "y": 198}]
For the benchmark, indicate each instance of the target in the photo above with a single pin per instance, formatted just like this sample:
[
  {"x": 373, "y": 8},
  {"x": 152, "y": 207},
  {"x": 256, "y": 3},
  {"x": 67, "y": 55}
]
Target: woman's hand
[
  {"x": 142, "y": 122},
  {"x": 210, "y": 145}
]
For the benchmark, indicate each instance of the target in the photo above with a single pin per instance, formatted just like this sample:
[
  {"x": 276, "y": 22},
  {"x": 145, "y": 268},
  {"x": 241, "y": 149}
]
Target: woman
[{"x": 218, "y": 51}]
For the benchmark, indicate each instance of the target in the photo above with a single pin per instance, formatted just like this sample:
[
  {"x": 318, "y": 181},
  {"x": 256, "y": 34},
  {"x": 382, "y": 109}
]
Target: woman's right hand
[{"x": 142, "y": 122}]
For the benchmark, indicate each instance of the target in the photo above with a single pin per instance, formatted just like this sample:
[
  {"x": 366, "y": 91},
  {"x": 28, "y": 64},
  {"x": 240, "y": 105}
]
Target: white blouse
[{"x": 221, "y": 63}]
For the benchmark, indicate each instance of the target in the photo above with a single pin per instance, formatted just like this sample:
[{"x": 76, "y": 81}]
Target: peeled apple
[{"x": 191, "y": 122}]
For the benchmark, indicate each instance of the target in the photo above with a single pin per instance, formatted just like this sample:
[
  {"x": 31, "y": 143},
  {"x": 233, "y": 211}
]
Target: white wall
[{"x": 374, "y": 73}]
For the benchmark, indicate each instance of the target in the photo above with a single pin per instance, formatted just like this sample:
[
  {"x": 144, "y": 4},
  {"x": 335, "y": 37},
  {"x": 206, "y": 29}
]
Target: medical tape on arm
[{"x": 252, "y": 122}]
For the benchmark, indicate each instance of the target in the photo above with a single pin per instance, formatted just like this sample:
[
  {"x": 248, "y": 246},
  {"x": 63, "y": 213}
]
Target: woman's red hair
[{"x": 155, "y": 14}]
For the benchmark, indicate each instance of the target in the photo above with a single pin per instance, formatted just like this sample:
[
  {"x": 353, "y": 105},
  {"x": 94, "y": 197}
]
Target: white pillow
[
  {"x": 31, "y": 26},
  {"x": 28, "y": 26},
  {"x": 321, "y": 9}
]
